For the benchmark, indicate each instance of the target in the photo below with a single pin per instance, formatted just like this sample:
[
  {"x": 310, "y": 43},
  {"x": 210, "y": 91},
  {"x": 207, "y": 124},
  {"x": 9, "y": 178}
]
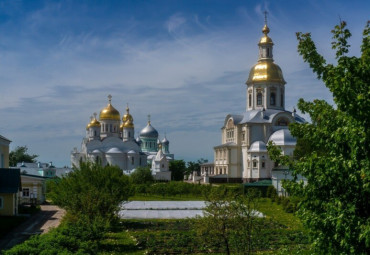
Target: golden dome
[
  {"x": 88, "y": 126},
  {"x": 265, "y": 39},
  {"x": 94, "y": 123},
  {"x": 265, "y": 71},
  {"x": 109, "y": 112},
  {"x": 128, "y": 124},
  {"x": 127, "y": 119}
]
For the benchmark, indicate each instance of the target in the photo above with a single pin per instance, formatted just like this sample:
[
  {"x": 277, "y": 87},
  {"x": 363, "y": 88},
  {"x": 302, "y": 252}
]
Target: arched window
[
  {"x": 250, "y": 100},
  {"x": 268, "y": 52},
  {"x": 95, "y": 133},
  {"x": 282, "y": 122},
  {"x": 132, "y": 161},
  {"x": 129, "y": 134},
  {"x": 259, "y": 98},
  {"x": 272, "y": 98}
]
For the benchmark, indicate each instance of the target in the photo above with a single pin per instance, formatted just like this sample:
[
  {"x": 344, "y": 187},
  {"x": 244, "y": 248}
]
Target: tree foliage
[
  {"x": 177, "y": 168},
  {"x": 142, "y": 175},
  {"x": 92, "y": 192},
  {"x": 335, "y": 201},
  {"x": 20, "y": 154},
  {"x": 228, "y": 221},
  {"x": 194, "y": 166}
]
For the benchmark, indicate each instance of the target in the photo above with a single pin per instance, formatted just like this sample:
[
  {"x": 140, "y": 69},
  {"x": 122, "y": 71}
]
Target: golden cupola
[
  {"x": 265, "y": 70},
  {"x": 127, "y": 120},
  {"x": 94, "y": 122},
  {"x": 109, "y": 112}
]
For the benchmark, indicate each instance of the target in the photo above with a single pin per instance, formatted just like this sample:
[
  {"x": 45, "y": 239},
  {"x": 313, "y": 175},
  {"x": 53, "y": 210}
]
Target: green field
[{"x": 278, "y": 233}]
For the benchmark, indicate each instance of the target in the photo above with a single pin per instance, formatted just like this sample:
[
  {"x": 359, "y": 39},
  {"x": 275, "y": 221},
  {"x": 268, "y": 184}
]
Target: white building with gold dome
[
  {"x": 242, "y": 154},
  {"x": 110, "y": 141}
]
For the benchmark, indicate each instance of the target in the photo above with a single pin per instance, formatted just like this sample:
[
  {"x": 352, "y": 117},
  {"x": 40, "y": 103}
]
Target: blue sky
[{"x": 183, "y": 62}]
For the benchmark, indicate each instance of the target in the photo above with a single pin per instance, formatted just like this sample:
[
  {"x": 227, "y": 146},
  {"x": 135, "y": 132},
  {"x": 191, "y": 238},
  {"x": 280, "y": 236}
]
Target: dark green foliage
[
  {"x": 92, "y": 192},
  {"x": 142, "y": 175},
  {"x": 69, "y": 238},
  {"x": 335, "y": 203},
  {"x": 177, "y": 168},
  {"x": 193, "y": 166},
  {"x": 19, "y": 155}
]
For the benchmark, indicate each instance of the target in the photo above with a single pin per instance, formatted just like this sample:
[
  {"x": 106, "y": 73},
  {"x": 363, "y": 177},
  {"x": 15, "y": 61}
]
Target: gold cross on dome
[{"x": 109, "y": 98}]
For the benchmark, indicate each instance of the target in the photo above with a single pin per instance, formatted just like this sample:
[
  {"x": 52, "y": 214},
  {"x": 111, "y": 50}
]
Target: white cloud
[{"x": 175, "y": 22}]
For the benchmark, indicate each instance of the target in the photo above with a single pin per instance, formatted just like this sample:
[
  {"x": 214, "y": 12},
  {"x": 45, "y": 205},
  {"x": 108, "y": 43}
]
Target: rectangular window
[
  {"x": 263, "y": 164},
  {"x": 1, "y": 202},
  {"x": 254, "y": 164},
  {"x": 25, "y": 192},
  {"x": 132, "y": 161}
]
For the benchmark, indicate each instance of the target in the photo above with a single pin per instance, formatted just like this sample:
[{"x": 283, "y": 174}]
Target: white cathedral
[
  {"x": 242, "y": 155},
  {"x": 110, "y": 142}
]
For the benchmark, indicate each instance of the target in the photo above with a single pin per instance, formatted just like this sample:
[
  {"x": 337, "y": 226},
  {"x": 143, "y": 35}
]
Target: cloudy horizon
[{"x": 183, "y": 62}]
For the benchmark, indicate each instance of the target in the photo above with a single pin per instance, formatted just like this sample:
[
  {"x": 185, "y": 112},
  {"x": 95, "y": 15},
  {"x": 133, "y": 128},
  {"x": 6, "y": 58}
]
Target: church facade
[
  {"x": 111, "y": 141},
  {"x": 242, "y": 154}
]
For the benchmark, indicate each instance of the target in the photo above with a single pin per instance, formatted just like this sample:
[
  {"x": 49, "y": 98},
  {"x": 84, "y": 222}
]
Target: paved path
[{"x": 39, "y": 223}]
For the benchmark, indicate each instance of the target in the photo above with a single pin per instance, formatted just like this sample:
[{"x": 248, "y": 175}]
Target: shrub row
[{"x": 289, "y": 204}]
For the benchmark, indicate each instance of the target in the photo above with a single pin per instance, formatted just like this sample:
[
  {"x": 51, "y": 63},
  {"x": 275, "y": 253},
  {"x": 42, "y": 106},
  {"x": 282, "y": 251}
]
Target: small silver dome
[
  {"x": 258, "y": 146},
  {"x": 138, "y": 140},
  {"x": 165, "y": 141},
  {"x": 149, "y": 131},
  {"x": 283, "y": 137}
]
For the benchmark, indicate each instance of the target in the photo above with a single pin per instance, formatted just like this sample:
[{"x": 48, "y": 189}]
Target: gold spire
[
  {"x": 109, "y": 112},
  {"x": 265, "y": 31}
]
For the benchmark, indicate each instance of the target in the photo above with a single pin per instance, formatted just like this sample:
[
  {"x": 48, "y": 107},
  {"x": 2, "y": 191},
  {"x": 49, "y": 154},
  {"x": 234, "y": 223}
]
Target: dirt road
[{"x": 39, "y": 223}]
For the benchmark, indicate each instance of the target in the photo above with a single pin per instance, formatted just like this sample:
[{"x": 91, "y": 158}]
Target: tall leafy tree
[
  {"x": 229, "y": 222},
  {"x": 20, "y": 154},
  {"x": 335, "y": 201},
  {"x": 177, "y": 168},
  {"x": 92, "y": 193}
]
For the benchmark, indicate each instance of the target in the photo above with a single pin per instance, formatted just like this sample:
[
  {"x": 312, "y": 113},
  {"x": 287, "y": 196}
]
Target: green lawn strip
[
  {"x": 7, "y": 223},
  {"x": 276, "y": 212},
  {"x": 119, "y": 241}
]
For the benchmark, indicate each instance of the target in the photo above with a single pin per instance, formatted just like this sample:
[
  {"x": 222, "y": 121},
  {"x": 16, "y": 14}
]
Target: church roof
[
  {"x": 258, "y": 146},
  {"x": 149, "y": 131},
  {"x": 260, "y": 116},
  {"x": 283, "y": 137}
]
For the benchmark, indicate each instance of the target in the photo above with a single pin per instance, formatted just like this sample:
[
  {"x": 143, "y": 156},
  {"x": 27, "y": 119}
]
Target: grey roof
[
  {"x": 225, "y": 145},
  {"x": 260, "y": 116},
  {"x": 149, "y": 131},
  {"x": 258, "y": 146},
  {"x": 165, "y": 141},
  {"x": 10, "y": 180},
  {"x": 4, "y": 138},
  {"x": 114, "y": 150},
  {"x": 283, "y": 137}
]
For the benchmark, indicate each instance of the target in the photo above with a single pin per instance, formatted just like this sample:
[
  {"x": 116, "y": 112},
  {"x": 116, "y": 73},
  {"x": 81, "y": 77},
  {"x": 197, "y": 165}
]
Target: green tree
[
  {"x": 230, "y": 222},
  {"x": 193, "y": 166},
  {"x": 177, "y": 168},
  {"x": 142, "y": 175},
  {"x": 20, "y": 154},
  {"x": 335, "y": 203},
  {"x": 92, "y": 193}
]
